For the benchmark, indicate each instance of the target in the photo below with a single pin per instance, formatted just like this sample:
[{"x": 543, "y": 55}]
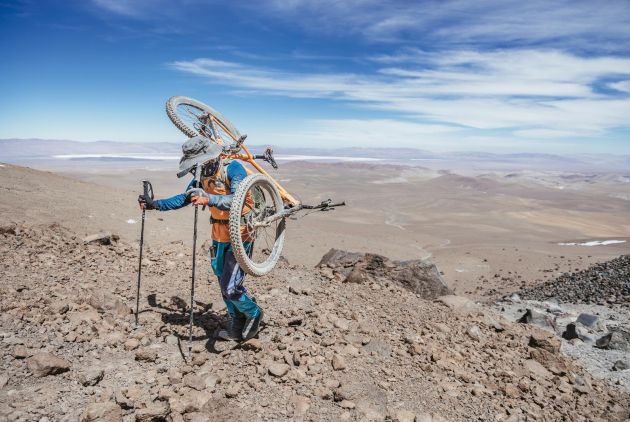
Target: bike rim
[{"x": 263, "y": 239}]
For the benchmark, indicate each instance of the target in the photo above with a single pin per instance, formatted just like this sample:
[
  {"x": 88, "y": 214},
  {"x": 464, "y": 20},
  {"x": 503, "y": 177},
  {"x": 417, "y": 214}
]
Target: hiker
[{"x": 219, "y": 181}]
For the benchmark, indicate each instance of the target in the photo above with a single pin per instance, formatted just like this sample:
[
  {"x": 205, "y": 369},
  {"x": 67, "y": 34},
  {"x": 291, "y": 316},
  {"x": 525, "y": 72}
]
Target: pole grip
[{"x": 147, "y": 188}]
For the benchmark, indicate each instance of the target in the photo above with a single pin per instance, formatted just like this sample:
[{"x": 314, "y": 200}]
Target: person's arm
[
  {"x": 174, "y": 202},
  {"x": 235, "y": 175}
]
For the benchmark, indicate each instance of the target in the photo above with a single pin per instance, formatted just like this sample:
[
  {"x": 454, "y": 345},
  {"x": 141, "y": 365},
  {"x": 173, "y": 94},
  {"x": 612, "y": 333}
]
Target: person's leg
[
  {"x": 237, "y": 319},
  {"x": 232, "y": 287}
]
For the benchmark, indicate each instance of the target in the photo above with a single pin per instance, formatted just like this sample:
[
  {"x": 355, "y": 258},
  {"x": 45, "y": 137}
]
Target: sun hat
[{"x": 198, "y": 150}]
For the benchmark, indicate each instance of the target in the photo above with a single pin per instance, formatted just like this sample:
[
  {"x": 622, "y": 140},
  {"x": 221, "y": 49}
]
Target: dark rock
[
  {"x": 617, "y": 339},
  {"x": 570, "y": 332},
  {"x": 620, "y": 366},
  {"x": 418, "y": 276},
  {"x": 587, "y": 320},
  {"x": 7, "y": 230},
  {"x": 605, "y": 282},
  {"x": 339, "y": 260}
]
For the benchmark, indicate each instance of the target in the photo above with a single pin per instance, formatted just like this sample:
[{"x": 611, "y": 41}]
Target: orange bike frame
[{"x": 246, "y": 156}]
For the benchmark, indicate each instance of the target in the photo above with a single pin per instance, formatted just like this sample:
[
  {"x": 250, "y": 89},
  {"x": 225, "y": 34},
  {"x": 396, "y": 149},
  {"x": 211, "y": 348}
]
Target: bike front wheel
[
  {"x": 257, "y": 237},
  {"x": 195, "y": 118}
]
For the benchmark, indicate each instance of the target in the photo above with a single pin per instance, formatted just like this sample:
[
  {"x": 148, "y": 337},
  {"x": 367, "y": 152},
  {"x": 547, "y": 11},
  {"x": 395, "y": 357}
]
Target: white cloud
[
  {"x": 457, "y": 22},
  {"x": 623, "y": 86},
  {"x": 520, "y": 90},
  {"x": 588, "y": 24}
]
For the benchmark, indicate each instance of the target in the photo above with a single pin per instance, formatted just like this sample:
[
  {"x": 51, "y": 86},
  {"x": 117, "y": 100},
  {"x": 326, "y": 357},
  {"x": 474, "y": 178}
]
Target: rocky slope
[
  {"x": 603, "y": 283},
  {"x": 330, "y": 350}
]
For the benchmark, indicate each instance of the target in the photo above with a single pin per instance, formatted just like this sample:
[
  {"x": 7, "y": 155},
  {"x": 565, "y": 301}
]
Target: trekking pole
[
  {"x": 194, "y": 261},
  {"x": 148, "y": 191}
]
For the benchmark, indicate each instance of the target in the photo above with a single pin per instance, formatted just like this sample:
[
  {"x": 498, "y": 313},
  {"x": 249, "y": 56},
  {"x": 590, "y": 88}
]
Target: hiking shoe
[
  {"x": 233, "y": 333},
  {"x": 252, "y": 325}
]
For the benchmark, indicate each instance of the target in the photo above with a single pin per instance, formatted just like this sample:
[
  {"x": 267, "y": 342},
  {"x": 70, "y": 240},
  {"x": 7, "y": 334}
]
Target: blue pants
[{"x": 231, "y": 278}]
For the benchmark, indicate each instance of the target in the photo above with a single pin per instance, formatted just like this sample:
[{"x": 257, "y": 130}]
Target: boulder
[
  {"x": 620, "y": 365},
  {"x": 146, "y": 355},
  {"x": 550, "y": 361},
  {"x": 342, "y": 261},
  {"x": 459, "y": 304},
  {"x": 278, "y": 369},
  {"x": 617, "y": 339},
  {"x": 474, "y": 332},
  {"x": 573, "y": 331},
  {"x": 156, "y": 411},
  {"x": 20, "y": 352},
  {"x": 252, "y": 344},
  {"x": 420, "y": 277},
  {"x": 102, "y": 412},
  {"x": 534, "y": 317},
  {"x": 43, "y": 364},
  {"x": 194, "y": 381},
  {"x": 338, "y": 363},
  {"x": 570, "y": 332},
  {"x": 545, "y": 340},
  {"x": 536, "y": 369},
  {"x": 403, "y": 416},
  {"x": 587, "y": 320},
  {"x": 91, "y": 377},
  {"x": 102, "y": 238}
]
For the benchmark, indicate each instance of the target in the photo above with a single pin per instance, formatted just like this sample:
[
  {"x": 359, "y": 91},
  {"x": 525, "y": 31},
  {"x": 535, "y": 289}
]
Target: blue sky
[{"x": 505, "y": 76}]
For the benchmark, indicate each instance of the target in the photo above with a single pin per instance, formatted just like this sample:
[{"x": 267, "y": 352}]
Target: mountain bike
[{"x": 260, "y": 206}]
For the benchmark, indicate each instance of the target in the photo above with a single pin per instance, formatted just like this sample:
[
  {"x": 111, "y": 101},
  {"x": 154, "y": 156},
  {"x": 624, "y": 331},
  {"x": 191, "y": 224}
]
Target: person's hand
[
  {"x": 198, "y": 196},
  {"x": 146, "y": 202},
  {"x": 199, "y": 200}
]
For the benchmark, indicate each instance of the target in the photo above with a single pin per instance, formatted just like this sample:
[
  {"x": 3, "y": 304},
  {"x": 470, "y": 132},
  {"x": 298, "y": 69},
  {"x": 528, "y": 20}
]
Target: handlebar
[
  {"x": 268, "y": 157},
  {"x": 324, "y": 206}
]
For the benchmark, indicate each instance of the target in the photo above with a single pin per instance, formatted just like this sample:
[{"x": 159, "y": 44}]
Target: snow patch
[
  {"x": 391, "y": 180},
  {"x": 120, "y": 156},
  {"x": 323, "y": 158},
  {"x": 593, "y": 243}
]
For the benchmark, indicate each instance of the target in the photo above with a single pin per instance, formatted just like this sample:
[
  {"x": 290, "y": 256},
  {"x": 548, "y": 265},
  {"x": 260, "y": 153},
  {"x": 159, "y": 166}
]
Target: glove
[
  {"x": 198, "y": 196},
  {"x": 147, "y": 203}
]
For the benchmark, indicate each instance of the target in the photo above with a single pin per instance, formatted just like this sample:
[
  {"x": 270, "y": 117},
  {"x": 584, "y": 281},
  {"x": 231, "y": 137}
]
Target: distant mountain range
[{"x": 22, "y": 150}]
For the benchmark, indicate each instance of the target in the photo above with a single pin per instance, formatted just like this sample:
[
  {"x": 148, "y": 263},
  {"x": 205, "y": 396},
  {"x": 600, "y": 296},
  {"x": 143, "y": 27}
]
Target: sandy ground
[{"x": 488, "y": 232}]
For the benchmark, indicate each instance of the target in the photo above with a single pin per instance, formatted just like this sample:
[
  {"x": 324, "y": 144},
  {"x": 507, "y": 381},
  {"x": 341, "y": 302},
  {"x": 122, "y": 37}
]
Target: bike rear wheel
[
  {"x": 195, "y": 118},
  {"x": 257, "y": 247}
]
